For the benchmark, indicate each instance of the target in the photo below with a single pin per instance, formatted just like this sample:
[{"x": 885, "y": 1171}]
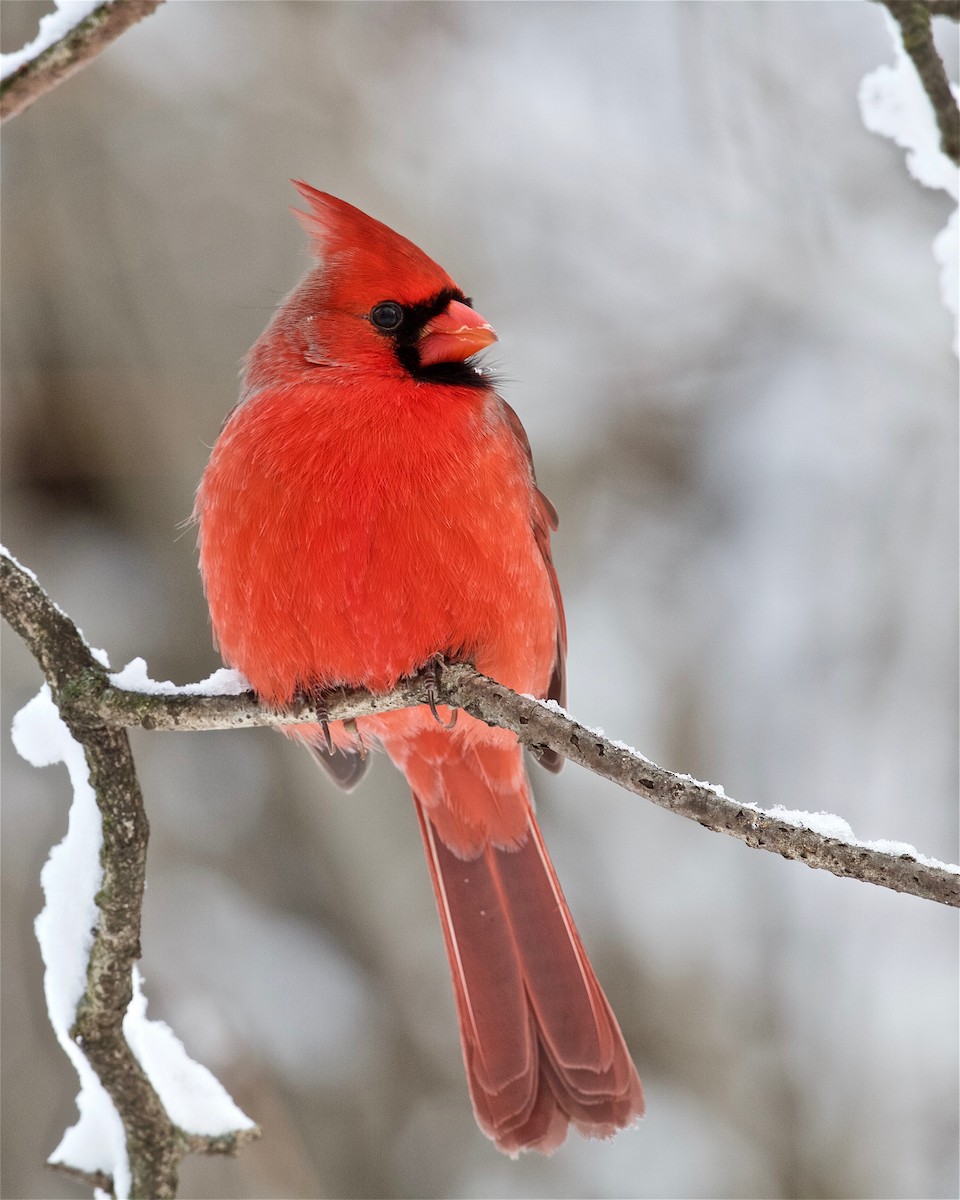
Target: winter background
[{"x": 720, "y": 322}]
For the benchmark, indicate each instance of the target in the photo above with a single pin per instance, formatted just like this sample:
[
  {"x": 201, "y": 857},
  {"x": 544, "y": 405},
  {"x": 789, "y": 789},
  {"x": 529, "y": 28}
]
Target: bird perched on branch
[{"x": 369, "y": 508}]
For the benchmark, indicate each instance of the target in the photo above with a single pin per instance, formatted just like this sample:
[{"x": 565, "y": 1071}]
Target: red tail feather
[{"x": 541, "y": 1046}]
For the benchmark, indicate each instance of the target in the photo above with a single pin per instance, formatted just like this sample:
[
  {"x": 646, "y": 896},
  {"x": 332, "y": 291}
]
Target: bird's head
[{"x": 374, "y": 302}]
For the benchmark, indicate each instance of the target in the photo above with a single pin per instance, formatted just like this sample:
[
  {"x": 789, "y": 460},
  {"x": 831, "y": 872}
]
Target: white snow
[
  {"x": 53, "y": 27},
  {"x": 5, "y": 553},
  {"x": 825, "y": 824},
  {"x": 196, "y": 1101},
  {"x": 716, "y": 788},
  {"x": 555, "y": 707},
  {"x": 893, "y": 103},
  {"x": 26, "y": 570},
  {"x": 70, "y": 880},
  {"x": 829, "y": 825},
  {"x": 135, "y": 678}
]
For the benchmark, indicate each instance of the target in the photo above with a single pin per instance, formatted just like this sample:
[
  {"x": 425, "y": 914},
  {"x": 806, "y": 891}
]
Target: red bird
[{"x": 371, "y": 503}]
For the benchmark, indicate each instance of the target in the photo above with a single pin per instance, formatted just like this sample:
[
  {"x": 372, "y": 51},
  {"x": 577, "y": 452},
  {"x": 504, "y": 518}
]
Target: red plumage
[{"x": 369, "y": 504}]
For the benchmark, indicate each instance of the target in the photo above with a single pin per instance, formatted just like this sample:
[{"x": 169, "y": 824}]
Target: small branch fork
[
  {"x": 74, "y": 50},
  {"x": 913, "y": 18}
]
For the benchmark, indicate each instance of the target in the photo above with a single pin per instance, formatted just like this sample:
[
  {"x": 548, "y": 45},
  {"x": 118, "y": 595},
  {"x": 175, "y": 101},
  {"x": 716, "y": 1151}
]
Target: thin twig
[
  {"x": 913, "y": 17},
  {"x": 189, "y": 1143},
  {"x": 74, "y": 50},
  {"x": 537, "y": 725},
  {"x": 95, "y": 703},
  {"x": 95, "y": 1179}
]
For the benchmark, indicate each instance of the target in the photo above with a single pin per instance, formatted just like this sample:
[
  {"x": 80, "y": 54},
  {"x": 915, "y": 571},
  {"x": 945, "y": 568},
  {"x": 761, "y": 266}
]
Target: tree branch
[
  {"x": 93, "y": 702},
  {"x": 192, "y": 1143},
  {"x": 155, "y": 1145},
  {"x": 74, "y": 50},
  {"x": 943, "y": 8},
  {"x": 913, "y": 17}
]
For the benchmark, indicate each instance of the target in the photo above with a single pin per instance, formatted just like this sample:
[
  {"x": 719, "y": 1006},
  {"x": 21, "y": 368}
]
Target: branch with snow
[
  {"x": 915, "y": 104},
  {"x": 143, "y": 1103},
  {"x": 818, "y": 839},
  {"x": 95, "y": 699},
  {"x": 67, "y": 40},
  {"x": 916, "y": 34}
]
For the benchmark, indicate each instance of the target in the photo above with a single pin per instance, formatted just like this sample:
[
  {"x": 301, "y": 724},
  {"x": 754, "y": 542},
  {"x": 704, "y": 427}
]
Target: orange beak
[{"x": 454, "y": 335}]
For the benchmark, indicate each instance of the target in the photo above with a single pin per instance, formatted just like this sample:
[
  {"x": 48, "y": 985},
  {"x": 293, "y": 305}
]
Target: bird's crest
[{"x": 347, "y": 243}]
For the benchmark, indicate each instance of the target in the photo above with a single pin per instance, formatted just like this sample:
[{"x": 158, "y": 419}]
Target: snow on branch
[
  {"x": 143, "y": 1103},
  {"x": 915, "y": 104},
  {"x": 68, "y": 39},
  {"x": 913, "y": 17},
  {"x": 95, "y": 700}
]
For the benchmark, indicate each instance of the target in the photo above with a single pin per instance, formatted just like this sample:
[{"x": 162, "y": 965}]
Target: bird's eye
[{"x": 387, "y": 316}]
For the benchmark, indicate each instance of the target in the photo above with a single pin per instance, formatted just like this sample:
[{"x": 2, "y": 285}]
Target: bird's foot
[{"x": 432, "y": 672}]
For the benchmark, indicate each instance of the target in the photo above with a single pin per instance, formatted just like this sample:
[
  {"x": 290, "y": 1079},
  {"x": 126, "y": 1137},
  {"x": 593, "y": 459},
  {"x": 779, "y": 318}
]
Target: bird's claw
[
  {"x": 315, "y": 698},
  {"x": 433, "y": 669}
]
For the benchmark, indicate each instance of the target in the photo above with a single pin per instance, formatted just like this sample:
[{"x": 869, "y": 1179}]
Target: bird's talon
[
  {"x": 315, "y": 698},
  {"x": 455, "y": 712},
  {"x": 433, "y": 685}
]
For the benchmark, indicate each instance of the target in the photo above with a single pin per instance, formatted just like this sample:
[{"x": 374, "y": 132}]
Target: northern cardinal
[{"x": 369, "y": 505}]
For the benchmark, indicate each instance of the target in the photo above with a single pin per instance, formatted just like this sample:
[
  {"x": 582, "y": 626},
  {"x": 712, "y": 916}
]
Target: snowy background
[{"x": 720, "y": 319}]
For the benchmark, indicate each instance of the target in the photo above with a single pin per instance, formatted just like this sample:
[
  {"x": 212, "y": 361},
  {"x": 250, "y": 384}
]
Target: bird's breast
[{"x": 347, "y": 538}]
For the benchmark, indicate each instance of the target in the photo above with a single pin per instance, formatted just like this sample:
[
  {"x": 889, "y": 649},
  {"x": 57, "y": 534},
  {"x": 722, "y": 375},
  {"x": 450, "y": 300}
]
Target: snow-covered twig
[
  {"x": 913, "y": 17},
  {"x": 84, "y": 35},
  {"x": 95, "y": 1002},
  {"x": 820, "y": 840},
  {"x": 913, "y": 102}
]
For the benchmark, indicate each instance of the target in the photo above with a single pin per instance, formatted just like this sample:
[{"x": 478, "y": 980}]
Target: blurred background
[{"x": 720, "y": 323}]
